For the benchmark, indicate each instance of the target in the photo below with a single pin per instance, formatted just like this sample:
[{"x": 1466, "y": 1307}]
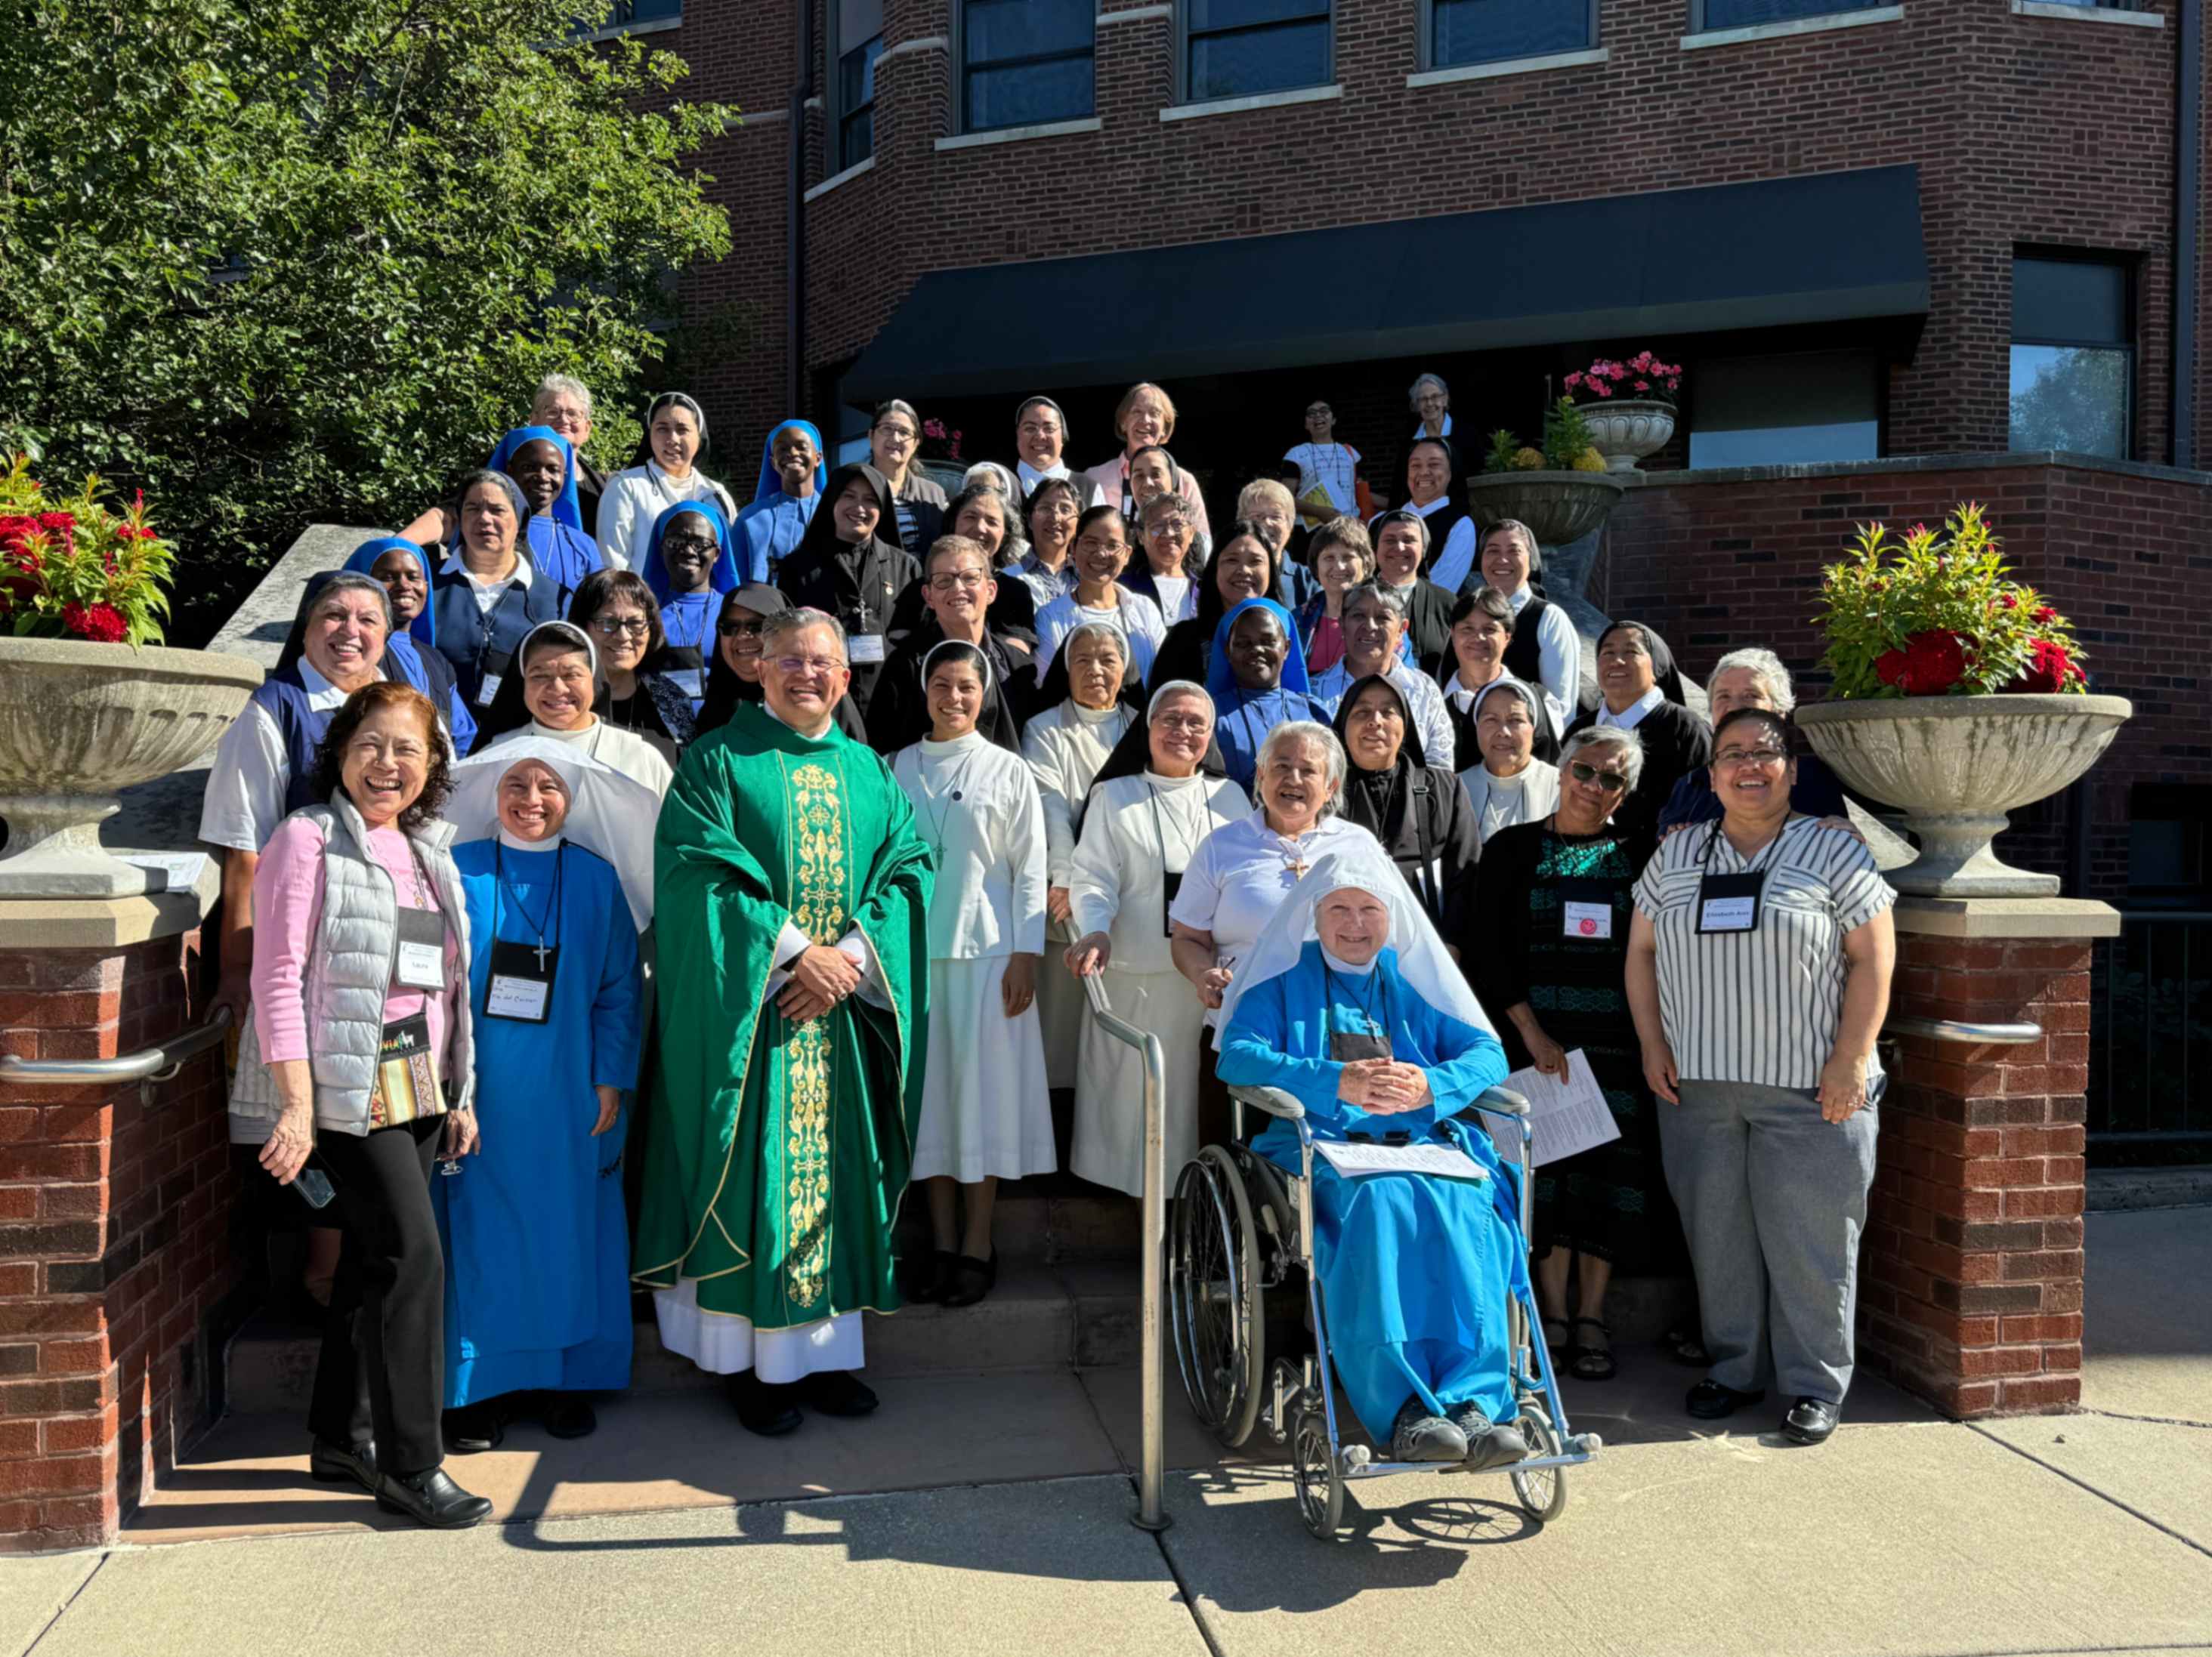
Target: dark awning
[{"x": 1831, "y": 247}]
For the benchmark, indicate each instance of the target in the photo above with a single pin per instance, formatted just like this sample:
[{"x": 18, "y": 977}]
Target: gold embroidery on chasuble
[{"x": 819, "y": 885}]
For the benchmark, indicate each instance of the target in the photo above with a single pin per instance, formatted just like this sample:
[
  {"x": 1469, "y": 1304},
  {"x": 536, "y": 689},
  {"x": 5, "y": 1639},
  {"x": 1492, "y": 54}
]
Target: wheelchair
[{"x": 1241, "y": 1281}]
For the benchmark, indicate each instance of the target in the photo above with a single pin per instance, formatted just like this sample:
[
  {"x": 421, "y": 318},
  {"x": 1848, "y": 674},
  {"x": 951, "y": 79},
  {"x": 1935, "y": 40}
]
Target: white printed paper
[
  {"x": 1447, "y": 1162},
  {"x": 1565, "y": 1117},
  {"x": 487, "y": 689},
  {"x": 1729, "y": 914},
  {"x": 180, "y": 871},
  {"x": 863, "y": 649},
  {"x": 1593, "y": 921},
  {"x": 524, "y": 998}
]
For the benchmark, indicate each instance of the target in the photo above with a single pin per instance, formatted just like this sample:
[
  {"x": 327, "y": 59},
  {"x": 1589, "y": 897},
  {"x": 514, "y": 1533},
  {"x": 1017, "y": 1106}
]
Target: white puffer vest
[{"x": 348, "y": 977}]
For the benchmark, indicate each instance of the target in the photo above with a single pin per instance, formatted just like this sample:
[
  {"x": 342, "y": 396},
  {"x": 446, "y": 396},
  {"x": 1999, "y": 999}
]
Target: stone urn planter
[
  {"x": 78, "y": 723},
  {"x": 1626, "y": 430},
  {"x": 1955, "y": 765},
  {"x": 1557, "y": 507}
]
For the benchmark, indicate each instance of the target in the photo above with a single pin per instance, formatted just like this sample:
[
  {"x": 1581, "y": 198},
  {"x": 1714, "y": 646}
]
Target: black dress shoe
[
  {"x": 836, "y": 1392},
  {"x": 968, "y": 1280},
  {"x": 1710, "y": 1401},
  {"x": 345, "y": 1463},
  {"x": 1417, "y": 1435},
  {"x": 1489, "y": 1444},
  {"x": 566, "y": 1415},
  {"x": 431, "y": 1499},
  {"x": 472, "y": 1428},
  {"x": 1811, "y": 1420},
  {"x": 763, "y": 1409},
  {"x": 923, "y": 1278}
]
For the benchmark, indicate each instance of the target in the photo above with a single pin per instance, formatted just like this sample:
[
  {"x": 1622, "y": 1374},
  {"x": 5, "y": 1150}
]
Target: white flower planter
[
  {"x": 80, "y": 722},
  {"x": 1626, "y": 430},
  {"x": 1955, "y": 765}
]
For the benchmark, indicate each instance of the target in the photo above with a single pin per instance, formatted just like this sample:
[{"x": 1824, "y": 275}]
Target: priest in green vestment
[{"x": 791, "y": 903}]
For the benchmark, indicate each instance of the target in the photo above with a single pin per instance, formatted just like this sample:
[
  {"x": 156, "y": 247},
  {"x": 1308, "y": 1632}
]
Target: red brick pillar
[
  {"x": 1970, "y": 1273},
  {"x": 114, "y": 1217}
]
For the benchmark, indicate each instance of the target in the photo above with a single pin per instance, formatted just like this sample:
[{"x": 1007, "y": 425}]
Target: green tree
[{"x": 281, "y": 260}]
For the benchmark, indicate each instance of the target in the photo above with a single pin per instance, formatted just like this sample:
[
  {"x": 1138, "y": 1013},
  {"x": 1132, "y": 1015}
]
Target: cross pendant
[
  {"x": 1298, "y": 866},
  {"x": 542, "y": 953}
]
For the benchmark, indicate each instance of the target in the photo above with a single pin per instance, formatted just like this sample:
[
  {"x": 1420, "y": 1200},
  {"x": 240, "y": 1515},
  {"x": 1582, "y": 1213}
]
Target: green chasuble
[{"x": 778, "y": 1152}]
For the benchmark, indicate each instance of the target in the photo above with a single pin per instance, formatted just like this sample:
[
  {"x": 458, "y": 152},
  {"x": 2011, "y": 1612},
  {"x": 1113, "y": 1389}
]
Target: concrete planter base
[
  {"x": 80, "y": 722},
  {"x": 1626, "y": 430},
  {"x": 1557, "y": 507},
  {"x": 1955, "y": 765}
]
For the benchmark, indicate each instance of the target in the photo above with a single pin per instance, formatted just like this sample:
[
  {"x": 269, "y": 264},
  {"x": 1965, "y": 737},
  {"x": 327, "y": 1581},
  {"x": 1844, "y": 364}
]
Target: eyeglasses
[
  {"x": 895, "y": 433},
  {"x": 968, "y": 579},
  {"x": 1195, "y": 725},
  {"x": 1612, "y": 781},
  {"x": 739, "y": 629},
  {"x": 614, "y": 626},
  {"x": 794, "y": 665},
  {"x": 1758, "y": 756},
  {"x": 1320, "y": 411}
]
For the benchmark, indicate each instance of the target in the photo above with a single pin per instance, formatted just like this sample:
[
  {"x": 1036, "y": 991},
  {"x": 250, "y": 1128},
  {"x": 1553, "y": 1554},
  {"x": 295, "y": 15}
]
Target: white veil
[
  {"x": 610, "y": 813},
  {"x": 1423, "y": 964}
]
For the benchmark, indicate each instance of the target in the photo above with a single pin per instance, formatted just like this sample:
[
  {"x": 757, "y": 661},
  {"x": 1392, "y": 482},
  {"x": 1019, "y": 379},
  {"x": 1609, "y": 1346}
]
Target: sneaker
[
  {"x": 1489, "y": 1444},
  {"x": 1417, "y": 1435}
]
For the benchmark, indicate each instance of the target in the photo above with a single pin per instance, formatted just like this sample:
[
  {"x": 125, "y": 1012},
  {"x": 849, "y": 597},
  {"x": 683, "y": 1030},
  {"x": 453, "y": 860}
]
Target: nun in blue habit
[
  {"x": 1256, "y": 675},
  {"x": 536, "y": 1246},
  {"x": 403, "y": 569},
  {"x": 689, "y": 568},
  {"x": 769, "y": 526},
  {"x": 1349, "y": 1001},
  {"x": 559, "y": 544}
]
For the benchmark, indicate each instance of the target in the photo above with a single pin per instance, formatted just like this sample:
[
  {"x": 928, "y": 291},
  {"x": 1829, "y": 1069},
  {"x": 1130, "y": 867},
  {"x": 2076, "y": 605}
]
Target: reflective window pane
[
  {"x": 1491, "y": 31},
  {"x": 1737, "y": 14},
  {"x": 1028, "y": 94},
  {"x": 856, "y": 104},
  {"x": 1025, "y": 61},
  {"x": 1786, "y": 410},
  {"x": 996, "y": 31},
  {"x": 1206, "y": 16},
  {"x": 2071, "y": 398},
  {"x": 1275, "y": 57},
  {"x": 2069, "y": 301}
]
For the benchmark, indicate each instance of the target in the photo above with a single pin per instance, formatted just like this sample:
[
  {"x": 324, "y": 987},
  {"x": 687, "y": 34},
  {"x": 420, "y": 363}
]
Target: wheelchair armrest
[
  {"x": 1498, "y": 1101},
  {"x": 1274, "y": 1101}
]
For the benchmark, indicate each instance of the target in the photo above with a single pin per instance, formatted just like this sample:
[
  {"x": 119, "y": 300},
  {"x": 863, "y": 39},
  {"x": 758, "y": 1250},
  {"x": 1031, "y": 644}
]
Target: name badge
[
  {"x": 1593, "y": 921},
  {"x": 1729, "y": 904},
  {"x": 421, "y": 963},
  {"x": 690, "y": 681},
  {"x": 487, "y": 689},
  {"x": 520, "y": 984},
  {"x": 865, "y": 649}
]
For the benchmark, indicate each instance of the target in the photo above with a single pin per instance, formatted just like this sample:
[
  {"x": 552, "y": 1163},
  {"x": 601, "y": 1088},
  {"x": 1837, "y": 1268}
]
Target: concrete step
[{"x": 1052, "y": 1217}]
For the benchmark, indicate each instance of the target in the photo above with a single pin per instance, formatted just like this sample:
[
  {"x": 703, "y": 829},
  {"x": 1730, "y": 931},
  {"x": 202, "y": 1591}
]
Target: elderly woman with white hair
[
  {"x": 1144, "y": 418},
  {"x": 1752, "y": 678},
  {"x": 1352, "y": 1006}
]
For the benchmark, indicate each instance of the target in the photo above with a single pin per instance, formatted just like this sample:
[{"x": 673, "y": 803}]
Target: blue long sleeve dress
[
  {"x": 536, "y": 1246},
  {"x": 1416, "y": 1272}
]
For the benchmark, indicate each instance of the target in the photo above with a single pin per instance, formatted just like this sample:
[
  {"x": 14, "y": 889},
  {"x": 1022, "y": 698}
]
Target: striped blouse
[{"x": 1759, "y": 1006}]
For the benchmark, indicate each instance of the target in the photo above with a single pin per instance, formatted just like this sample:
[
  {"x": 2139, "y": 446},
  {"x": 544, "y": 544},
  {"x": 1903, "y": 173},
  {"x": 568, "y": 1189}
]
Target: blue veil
[
  {"x": 424, "y": 627},
  {"x": 1221, "y": 678},
  {"x": 565, "y": 509},
  {"x": 720, "y": 579},
  {"x": 770, "y": 482}
]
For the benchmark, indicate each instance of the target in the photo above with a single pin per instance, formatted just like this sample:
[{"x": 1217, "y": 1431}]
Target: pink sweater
[{"x": 288, "y": 916}]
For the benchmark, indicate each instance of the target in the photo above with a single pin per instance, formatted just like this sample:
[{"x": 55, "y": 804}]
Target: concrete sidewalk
[{"x": 990, "y": 1514}]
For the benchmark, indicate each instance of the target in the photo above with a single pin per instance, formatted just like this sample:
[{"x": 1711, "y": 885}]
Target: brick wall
[
  {"x": 114, "y": 1242},
  {"x": 2027, "y": 130},
  {"x": 1714, "y": 560},
  {"x": 1971, "y": 1266}
]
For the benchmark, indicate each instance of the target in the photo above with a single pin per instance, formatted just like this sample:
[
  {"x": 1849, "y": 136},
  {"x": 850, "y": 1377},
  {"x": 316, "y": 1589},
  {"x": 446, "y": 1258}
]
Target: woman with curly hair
[{"x": 359, "y": 1058}]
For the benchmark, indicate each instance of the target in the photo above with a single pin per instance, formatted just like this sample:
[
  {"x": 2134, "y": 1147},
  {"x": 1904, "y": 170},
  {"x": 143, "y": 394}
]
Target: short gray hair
[
  {"x": 1764, "y": 667},
  {"x": 791, "y": 620},
  {"x": 1607, "y": 736},
  {"x": 562, "y": 385},
  {"x": 1393, "y": 602},
  {"x": 1414, "y": 392},
  {"x": 1306, "y": 731}
]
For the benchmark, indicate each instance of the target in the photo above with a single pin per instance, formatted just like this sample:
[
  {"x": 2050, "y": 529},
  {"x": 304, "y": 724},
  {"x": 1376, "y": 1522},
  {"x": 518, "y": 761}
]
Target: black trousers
[{"x": 382, "y": 1369}]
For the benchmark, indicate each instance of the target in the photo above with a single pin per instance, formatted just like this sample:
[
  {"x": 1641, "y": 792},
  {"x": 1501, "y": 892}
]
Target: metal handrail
[
  {"x": 1955, "y": 1029},
  {"x": 155, "y": 1063},
  {"x": 1152, "y": 1452}
]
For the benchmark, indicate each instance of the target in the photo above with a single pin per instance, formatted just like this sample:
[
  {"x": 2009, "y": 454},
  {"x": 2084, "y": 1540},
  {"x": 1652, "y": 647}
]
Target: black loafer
[
  {"x": 344, "y": 1464},
  {"x": 1710, "y": 1401},
  {"x": 431, "y": 1499},
  {"x": 763, "y": 1409},
  {"x": 471, "y": 1430},
  {"x": 967, "y": 1280},
  {"x": 568, "y": 1415},
  {"x": 837, "y": 1393},
  {"x": 1811, "y": 1420}
]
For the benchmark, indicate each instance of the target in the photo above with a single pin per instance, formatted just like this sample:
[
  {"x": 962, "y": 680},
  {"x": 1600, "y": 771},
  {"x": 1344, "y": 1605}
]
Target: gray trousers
[{"x": 1773, "y": 1200}]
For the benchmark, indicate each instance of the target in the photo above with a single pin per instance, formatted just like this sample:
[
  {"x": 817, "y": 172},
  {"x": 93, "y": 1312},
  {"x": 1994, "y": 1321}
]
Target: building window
[
  {"x": 626, "y": 15},
  {"x": 1236, "y": 48},
  {"x": 1491, "y": 31},
  {"x": 2072, "y": 356},
  {"x": 1812, "y": 408},
  {"x": 1025, "y": 61},
  {"x": 858, "y": 43},
  {"x": 1745, "y": 14}
]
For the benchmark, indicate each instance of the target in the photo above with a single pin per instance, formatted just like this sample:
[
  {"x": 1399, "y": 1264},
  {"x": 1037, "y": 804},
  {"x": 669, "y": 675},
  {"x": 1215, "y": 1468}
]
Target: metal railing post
[{"x": 1152, "y": 1449}]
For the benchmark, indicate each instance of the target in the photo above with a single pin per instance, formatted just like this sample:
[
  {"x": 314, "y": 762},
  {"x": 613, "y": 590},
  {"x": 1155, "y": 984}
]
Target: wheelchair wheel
[
  {"x": 1543, "y": 1493},
  {"x": 1313, "y": 1465},
  {"x": 1214, "y": 1268}
]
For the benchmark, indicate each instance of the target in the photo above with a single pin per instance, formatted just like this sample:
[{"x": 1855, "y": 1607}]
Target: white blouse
[
  {"x": 1140, "y": 829},
  {"x": 1529, "y": 796},
  {"x": 1243, "y": 870},
  {"x": 634, "y": 500},
  {"x": 1135, "y": 617},
  {"x": 976, "y": 806},
  {"x": 1066, "y": 747}
]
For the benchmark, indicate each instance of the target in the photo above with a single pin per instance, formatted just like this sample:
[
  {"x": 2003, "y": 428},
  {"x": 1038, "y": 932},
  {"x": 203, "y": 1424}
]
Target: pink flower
[
  {"x": 1604, "y": 390},
  {"x": 1574, "y": 381},
  {"x": 1642, "y": 384}
]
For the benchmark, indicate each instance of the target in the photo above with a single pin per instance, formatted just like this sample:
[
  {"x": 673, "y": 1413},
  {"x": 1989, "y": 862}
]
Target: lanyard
[
  {"x": 697, "y": 641},
  {"x": 1378, "y": 994},
  {"x": 1766, "y": 852},
  {"x": 552, "y": 907}
]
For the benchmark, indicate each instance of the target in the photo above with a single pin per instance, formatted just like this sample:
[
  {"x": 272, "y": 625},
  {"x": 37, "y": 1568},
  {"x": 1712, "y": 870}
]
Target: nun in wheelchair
[{"x": 1349, "y": 1003}]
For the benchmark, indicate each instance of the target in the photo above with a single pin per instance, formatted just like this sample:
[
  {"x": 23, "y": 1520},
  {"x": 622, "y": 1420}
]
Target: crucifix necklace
[{"x": 541, "y": 948}]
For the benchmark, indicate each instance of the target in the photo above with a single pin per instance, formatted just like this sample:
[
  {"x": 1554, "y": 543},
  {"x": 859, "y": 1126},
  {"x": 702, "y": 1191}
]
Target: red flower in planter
[
  {"x": 102, "y": 623},
  {"x": 2050, "y": 669},
  {"x": 1929, "y": 665}
]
